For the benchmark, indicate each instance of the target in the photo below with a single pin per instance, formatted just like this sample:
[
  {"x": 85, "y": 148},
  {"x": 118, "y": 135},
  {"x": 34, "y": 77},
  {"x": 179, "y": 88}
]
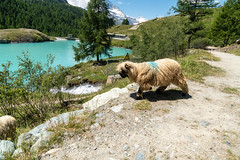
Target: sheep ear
[{"x": 127, "y": 66}]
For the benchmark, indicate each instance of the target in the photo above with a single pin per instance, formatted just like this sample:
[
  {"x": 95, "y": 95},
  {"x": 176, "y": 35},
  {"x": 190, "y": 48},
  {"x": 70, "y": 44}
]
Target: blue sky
[{"x": 149, "y": 9}]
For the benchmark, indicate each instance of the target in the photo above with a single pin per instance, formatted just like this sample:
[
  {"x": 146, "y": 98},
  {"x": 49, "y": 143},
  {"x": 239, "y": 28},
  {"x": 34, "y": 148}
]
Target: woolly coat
[
  {"x": 161, "y": 72},
  {"x": 7, "y": 127}
]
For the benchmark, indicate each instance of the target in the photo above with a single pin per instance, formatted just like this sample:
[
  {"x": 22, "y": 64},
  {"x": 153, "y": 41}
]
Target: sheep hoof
[
  {"x": 139, "y": 97},
  {"x": 184, "y": 94}
]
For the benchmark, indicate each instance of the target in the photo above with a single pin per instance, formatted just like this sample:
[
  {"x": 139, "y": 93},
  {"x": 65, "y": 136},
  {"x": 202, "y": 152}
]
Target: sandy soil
[{"x": 203, "y": 125}]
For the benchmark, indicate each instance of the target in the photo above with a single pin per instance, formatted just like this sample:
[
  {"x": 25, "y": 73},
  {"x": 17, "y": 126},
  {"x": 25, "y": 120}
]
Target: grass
[
  {"x": 22, "y": 35},
  {"x": 230, "y": 90},
  {"x": 143, "y": 105},
  {"x": 196, "y": 69},
  {"x": 232, "y": 156},
  {"x": 235, "y": 51}
]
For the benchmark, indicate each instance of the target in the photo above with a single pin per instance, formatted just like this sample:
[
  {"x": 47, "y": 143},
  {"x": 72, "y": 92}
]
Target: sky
[{"x": 148, "y": 9}]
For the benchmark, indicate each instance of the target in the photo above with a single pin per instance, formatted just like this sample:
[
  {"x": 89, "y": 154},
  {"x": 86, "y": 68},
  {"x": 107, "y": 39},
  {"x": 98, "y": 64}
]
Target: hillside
[
  {"x": 202, "y": 125},
  {"x": 22, "y": 35},
  {"x": 55, "y": 18}
]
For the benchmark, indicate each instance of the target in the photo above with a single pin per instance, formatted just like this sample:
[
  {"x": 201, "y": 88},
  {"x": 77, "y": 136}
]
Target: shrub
[
  {"x": 25, "y": 93},
  {"x": 201, "y": 43}
]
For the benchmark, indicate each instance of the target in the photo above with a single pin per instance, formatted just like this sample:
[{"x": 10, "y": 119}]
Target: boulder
[
  {"x": 104, "y": 98},
  {"x": 39, "y": 135},
  {"x": 6, "y": 147}
]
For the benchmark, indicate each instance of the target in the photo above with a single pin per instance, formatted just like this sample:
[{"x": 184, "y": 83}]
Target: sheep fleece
[
  {"x": 161, "y": 72},
  {"x": 7, "y": 127}
]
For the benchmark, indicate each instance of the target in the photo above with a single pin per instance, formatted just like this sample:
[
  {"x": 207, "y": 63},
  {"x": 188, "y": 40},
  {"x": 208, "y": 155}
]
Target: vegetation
[
  {"x": 25, "y": 93},
  {"x": 195, "y": 10},
  {"x": 195, "y": 69},
  {"x": 230, "y": 90},
  {"x": 143, "y": 105},
  {"x": 158, "y": 40},
  {"x": 226, "y": 28},
  {"x": 93, "y": 36},
  {"x": 22, "y": 35},
  {"x": 125, "y": 22},
  {"x": 52, "y": 17},
  {"x": 235, "y": 51}
]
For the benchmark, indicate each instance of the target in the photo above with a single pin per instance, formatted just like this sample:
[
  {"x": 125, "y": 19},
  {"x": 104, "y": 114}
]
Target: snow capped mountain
[{"x": 115, "y": 12}]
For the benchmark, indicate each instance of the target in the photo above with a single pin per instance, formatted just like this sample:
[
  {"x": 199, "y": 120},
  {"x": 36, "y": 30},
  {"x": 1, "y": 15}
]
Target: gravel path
[{"x": 204, "y": 125}]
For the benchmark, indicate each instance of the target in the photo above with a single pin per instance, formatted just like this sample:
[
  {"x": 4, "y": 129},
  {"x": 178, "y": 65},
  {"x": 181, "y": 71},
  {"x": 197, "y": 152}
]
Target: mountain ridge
[{"x": 115, "y": 12}]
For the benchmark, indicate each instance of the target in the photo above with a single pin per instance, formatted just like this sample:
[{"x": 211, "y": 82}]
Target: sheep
[{"x": 7, "y": 127}]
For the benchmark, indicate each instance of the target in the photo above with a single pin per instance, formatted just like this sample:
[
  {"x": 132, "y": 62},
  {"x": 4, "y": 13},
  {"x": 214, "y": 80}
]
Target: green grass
[
  {"x": 235, "y": 51},
  {"x": 230, "y": 90},
  {"x": 143, "y": 105},
  {"x": 23, "y": 35},
  {"x": 196, "y": 69},
  {"x": 121, "y": 29}
]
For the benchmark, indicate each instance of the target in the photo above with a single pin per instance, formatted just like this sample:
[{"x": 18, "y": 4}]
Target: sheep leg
[
  {"x": 161, "y": 89},
  {"x": 139, "y": 93}
]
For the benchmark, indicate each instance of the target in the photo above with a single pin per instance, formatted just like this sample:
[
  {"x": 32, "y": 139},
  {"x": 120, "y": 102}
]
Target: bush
[
  {"x": 25, "y": 93},
  {"x": 201, "y": 43}
]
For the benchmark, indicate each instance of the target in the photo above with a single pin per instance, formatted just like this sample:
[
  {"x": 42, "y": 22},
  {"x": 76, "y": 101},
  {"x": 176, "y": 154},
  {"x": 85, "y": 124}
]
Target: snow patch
[{"x": 115, "y": 12}]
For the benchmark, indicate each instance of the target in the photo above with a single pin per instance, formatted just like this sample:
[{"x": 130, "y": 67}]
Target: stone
[
  {"x": 18, "y": 152},
  {"x": 111, "y": 79},
  {"x": 6, "y": 147},
  {"x": 117, "y": 108},
  {"x": 104, "y": 98},
  {"x": 39, "y": 135},
  {"x": 42, "y": 140},
  {"x": 125, "y": 147},
  {"x": 204, "y": 123},
  {"x": 140, "y": 155},
  {"x": 133, "y": 87}
]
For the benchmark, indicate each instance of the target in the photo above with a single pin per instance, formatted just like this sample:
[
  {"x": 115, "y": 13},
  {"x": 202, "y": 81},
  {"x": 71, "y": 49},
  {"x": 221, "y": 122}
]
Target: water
[{"x": 61, "y": 50}]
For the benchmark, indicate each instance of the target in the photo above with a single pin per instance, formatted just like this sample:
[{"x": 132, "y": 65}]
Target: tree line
[
  {"x": 197, "y": 24},
  {"x": 52, "y": 17}
]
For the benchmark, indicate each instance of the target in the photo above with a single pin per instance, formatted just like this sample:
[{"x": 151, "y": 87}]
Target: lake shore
[{"x": 23, "y": 35}]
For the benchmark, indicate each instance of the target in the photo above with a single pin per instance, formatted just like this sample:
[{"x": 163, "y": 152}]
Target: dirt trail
[{"x": 204, "y": 125}]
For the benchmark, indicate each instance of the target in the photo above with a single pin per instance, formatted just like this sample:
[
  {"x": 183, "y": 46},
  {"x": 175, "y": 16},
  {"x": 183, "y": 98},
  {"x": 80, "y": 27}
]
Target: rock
[
  {"x": 117, "y": 108},
  {"x": 111, "y": 79},
  {"x": 98, "y": 115},
  {"x": 133, "y": 87},
  {"x": 18, "y": 152},
  {"x": 104, "y": 98},
  {"x": 228, "y": 143},
  {"x": 140, "y": 155},
  {"x": 95, "y": 125},
  {"x": 43, "y": 139},
  {"x": 204, "y": 123},
  {"x": 6, "y": 147},
  {"x": 39, "y": 135},
  {"x": 125, "y": 147}
]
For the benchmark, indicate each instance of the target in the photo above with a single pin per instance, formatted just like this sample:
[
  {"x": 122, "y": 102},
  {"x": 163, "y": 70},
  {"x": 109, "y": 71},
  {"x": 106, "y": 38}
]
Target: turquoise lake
[{"x": 61, "y": 50}]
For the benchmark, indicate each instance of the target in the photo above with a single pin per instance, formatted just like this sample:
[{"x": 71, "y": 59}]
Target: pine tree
[
  {"x": 226, "y": 28},
  {"x": 195, "y": 10},
  {"x": 94, "y": 40},
  {"x": 125, "y": 22}
]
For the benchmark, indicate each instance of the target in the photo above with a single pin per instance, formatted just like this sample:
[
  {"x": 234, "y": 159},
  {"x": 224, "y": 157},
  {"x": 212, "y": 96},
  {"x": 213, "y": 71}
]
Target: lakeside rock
[{"x": 22, "y": 35}]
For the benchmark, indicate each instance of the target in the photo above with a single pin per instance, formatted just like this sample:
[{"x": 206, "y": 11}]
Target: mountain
[
  {"x": 115, "y": 12},
  {"x": 52, "y": 17}
]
